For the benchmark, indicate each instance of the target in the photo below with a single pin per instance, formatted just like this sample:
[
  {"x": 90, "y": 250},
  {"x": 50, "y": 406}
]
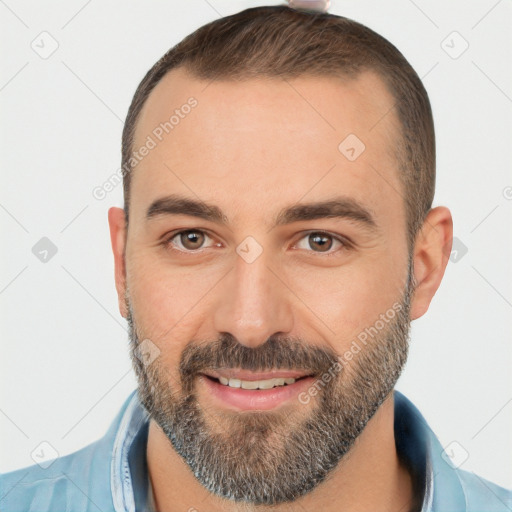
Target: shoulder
[
  {"x": 76, "y": 480},
  {"x": 482, "y": 495},
  {"x": 454, "y": 489},
  {"x": 79, "y": 481}
]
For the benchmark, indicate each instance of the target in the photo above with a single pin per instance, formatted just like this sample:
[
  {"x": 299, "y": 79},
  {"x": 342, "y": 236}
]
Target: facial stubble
[{"x": 271, "y": 457}]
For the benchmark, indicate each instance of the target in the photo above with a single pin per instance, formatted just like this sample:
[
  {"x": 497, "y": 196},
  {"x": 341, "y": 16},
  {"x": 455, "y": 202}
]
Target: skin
[{"x": 253, "y": 149}]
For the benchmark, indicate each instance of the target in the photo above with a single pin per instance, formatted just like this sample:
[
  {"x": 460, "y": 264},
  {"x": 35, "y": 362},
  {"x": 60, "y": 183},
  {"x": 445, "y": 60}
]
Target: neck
[{"x": 369, "y": 477}]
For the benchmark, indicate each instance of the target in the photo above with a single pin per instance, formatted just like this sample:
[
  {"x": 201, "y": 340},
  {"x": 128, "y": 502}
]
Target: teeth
[{"x": 255, "y": 384}]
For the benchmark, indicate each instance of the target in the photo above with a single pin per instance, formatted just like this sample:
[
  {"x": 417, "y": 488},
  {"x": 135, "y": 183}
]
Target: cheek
[
  {"x": 162, "y": 304},
  {"x": 351, "y": 298},
  {"x": 168, "y": 300}
]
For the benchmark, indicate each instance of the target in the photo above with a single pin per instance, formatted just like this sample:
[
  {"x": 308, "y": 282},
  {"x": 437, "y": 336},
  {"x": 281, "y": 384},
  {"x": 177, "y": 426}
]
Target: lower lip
[{"x": 255, "y": 399}]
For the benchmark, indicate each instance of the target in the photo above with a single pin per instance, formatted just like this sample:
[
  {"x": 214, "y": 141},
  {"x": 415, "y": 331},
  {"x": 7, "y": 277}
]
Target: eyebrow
[{"x": 337, "y": 207}]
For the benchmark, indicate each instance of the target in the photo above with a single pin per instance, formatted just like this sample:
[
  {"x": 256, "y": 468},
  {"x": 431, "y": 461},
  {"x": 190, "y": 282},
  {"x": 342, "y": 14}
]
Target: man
[{"x": 277, "y": 239}]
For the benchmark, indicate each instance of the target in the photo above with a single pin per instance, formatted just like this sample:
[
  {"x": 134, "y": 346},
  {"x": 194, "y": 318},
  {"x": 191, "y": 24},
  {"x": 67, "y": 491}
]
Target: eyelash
[{"x": 345, "y": 243}]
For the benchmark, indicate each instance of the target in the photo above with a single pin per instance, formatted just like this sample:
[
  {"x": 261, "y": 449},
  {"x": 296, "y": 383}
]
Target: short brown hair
[{"x": 282, "y": 42}]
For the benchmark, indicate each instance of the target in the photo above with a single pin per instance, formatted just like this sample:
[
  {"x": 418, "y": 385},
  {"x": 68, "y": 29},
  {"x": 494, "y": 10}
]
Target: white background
[{"x": 65, "y": 368}]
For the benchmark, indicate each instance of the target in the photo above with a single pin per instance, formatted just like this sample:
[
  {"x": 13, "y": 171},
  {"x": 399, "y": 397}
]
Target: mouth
[
  {"x": 268, "y": 383},
  {"x": 242, "y": 390}
]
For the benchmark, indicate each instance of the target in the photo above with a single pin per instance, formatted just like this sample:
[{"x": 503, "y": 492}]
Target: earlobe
[
  {"x": 117, "y": 225},
  {"x": 431, "y": 254}
]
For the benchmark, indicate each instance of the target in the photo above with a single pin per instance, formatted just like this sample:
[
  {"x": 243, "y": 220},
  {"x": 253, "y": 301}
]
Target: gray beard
[{"x": 271, "y": 457}]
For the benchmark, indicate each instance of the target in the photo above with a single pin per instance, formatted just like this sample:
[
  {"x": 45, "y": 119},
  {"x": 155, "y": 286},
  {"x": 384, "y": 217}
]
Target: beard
[{"x": 272, "y": 457}]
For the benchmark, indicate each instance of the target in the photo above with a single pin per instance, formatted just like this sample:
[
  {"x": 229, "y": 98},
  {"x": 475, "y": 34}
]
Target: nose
[{"x": 253, "y": 303}]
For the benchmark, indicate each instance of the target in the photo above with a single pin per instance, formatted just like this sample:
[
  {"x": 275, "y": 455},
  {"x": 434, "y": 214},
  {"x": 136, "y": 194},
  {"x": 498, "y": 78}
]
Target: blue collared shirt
[{"x": 111, "y": 474}]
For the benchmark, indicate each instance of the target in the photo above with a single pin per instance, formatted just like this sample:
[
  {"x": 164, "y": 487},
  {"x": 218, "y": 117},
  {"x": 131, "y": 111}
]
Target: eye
[
  {"x": 321, "y": 242},
  {"x": 188, "y": 241},
  {"x": 192, "y": 240}
]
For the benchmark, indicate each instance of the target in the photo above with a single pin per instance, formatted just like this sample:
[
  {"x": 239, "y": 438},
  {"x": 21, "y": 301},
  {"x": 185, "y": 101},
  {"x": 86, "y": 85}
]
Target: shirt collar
[
  {"x": 129, "y": 474},
  {"x": 417, "y": 447},
  {"x": 443, "y": 488}
]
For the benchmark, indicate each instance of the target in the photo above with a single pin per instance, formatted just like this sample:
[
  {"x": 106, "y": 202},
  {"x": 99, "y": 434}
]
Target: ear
[
  {"x": 117, "y": 225},
  {"x": 431, "y": 254}
]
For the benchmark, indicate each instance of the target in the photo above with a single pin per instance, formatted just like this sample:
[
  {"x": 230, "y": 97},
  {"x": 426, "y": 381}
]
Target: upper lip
[{"x": 248, "y": 375}]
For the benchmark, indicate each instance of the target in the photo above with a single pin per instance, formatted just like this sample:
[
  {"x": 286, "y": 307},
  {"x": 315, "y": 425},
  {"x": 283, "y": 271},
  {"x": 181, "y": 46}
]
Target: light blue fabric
[{"x": 111, "y": 474}]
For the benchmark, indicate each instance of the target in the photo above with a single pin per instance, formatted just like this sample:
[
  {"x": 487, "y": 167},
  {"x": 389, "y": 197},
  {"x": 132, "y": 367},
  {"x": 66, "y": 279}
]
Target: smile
[{"x": 266, "y": 393}]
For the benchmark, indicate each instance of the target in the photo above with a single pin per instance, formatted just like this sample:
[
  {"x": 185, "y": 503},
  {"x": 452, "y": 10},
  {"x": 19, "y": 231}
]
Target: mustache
[{"x": 277, "y": 353}]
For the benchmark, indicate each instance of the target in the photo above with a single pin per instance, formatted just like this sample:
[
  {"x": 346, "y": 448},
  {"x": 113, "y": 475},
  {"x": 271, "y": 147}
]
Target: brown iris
[
  {"x": 192, "y": 239},
  {"x": 323, "y": 242}
]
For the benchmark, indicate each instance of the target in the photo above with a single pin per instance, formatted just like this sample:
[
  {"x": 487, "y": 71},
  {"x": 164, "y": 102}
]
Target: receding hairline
[{"x": 389, "y": 116}]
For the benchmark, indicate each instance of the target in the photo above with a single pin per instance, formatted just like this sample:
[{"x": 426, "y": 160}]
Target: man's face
[{"x": 262, "y": 290}]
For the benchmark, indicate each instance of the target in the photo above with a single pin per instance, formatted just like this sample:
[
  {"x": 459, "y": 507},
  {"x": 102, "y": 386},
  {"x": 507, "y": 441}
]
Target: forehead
[{"x": 267, "y": 137}]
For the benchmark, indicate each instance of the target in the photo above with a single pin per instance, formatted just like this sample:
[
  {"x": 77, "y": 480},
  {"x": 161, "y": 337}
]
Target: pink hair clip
[{"x": 310, "y": 5}]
